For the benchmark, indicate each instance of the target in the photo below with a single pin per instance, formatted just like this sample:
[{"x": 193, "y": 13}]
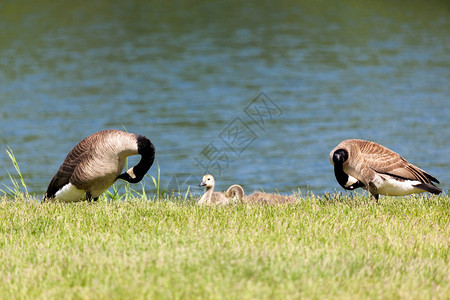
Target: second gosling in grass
[{"x": 270, "y": 199}]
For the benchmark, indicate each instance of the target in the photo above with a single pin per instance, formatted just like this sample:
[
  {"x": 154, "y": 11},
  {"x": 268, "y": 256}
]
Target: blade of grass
[
  {"x": 16, "y": 190},
  {"x": 187, "y": 192},
  {"x": 156, "y": 182}
]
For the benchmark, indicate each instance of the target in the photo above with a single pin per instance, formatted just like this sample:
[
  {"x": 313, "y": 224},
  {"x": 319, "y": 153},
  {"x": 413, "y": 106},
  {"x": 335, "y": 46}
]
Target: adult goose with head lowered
[
  {"x": 379, "y": 170},
  {"x": 96, "y": 162}
]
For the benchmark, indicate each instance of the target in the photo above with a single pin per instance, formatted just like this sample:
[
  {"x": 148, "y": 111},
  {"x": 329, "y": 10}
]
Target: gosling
[
  {"x": 232, "y": 195},
  {"x": 269, "y": 198}
]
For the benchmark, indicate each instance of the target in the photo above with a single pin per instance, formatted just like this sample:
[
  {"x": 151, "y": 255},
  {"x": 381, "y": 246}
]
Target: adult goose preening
[
  {"x": 379, "y": 170},
  {"x": 96, "y": 162},
  {"x": 210, "y": 197}
]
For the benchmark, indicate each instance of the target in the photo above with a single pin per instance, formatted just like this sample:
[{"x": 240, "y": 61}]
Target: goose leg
[
  {"x": 375, "y": 197},
  {"x": 89, "y": 197}
]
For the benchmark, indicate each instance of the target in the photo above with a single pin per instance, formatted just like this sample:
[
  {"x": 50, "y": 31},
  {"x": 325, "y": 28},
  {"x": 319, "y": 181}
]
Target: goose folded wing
[
  {"x": 61, "y": 178},
  {"x": 396, "y": 166},
  {"x": 67, "y": 168}
]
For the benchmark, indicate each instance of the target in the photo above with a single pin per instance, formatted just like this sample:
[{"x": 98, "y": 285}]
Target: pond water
[{"x": 257, "y": 93}]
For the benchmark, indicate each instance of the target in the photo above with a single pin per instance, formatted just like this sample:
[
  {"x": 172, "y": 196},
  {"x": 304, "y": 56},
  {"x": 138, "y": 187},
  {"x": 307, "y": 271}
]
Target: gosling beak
[{"x": 202, "y": 183}]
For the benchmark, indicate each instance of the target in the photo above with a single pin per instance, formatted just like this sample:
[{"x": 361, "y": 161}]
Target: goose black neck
[
  {"x": 147, "y": 151},
  {"x": 341, "y": 176},
  {"x": 339, "y": 157}
]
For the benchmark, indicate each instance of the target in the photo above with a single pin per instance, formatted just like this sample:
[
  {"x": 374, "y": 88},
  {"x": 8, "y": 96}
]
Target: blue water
[{"x": 183, "y": 75}]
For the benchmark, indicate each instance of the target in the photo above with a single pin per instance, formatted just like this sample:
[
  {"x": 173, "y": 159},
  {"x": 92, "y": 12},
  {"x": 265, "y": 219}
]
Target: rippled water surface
[{"x": 193, "y": 76}]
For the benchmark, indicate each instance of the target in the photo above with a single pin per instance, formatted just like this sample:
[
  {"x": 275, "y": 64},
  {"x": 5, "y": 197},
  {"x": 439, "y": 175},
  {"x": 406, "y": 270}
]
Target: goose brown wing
[
  {"x": 406, "y": 171},
  {"x": 385, "y": 161},
  {"x": 67, "y": 168}
]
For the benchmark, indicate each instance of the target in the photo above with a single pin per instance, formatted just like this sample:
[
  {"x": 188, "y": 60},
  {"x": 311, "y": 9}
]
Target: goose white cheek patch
[
  {"x": 351, "y": 180},
  {"x": 131, "y": 173}
]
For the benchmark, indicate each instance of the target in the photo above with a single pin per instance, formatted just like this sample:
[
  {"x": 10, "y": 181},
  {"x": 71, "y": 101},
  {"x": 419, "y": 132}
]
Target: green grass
[
  {"x": 344, "y": 247},
  {"x": 155, "y": 246},
  {"x": 17, "y": 184}
]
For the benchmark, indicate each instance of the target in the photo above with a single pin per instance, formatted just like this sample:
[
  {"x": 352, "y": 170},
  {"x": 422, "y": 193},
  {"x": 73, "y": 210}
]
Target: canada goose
[
  {"x": 267, "y": 198},
  {"x": 96, "y": 162},
  {"x": 365, "y": 164}
]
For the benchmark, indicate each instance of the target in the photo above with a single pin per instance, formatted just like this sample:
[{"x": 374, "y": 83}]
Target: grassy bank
[{"x": 338, "y": 247}]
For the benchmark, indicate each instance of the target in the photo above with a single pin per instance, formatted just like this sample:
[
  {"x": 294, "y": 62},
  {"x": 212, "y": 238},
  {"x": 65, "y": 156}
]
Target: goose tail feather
[{"x": 429, "y": 188}]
